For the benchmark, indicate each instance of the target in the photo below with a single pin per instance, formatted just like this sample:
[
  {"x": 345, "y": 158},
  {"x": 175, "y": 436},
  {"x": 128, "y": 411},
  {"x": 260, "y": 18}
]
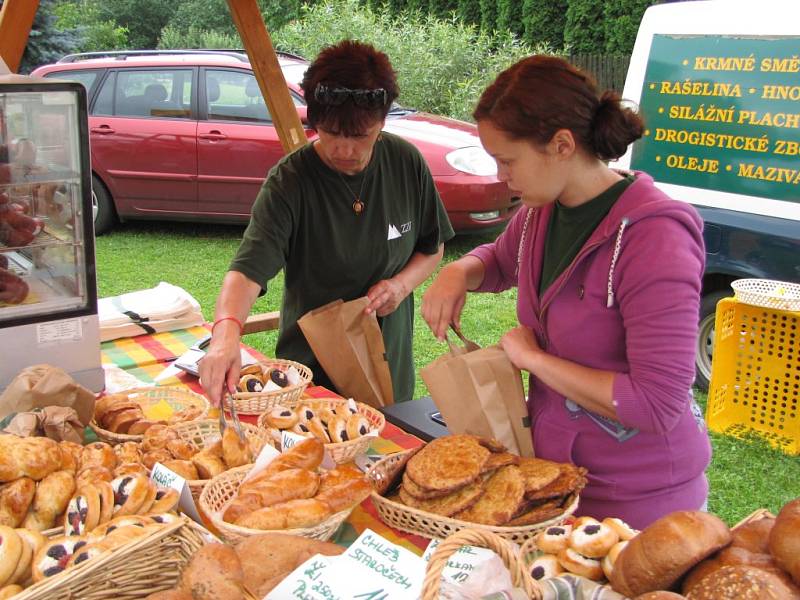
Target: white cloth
[{"x": 163, "y": 308}]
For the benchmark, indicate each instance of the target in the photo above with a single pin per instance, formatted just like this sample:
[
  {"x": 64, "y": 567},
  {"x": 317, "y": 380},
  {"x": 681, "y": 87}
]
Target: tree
[
  {"x": 509, "y": 16},
  {"x": 144, "y": 19},
  {"x": 583, "y": 32},
  {"x": 46, "y": 43},
  {"x": 96, "y": 34},
  {"x": 543, "y": 22},
  {"x": 621, "y": 20},
  {"x": 469, "y": 11},
  {"x": 488, "y": 15}
]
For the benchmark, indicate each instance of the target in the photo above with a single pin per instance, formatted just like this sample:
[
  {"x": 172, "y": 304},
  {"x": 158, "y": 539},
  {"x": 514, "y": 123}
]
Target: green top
[
  {"x": 303, "y": 221},
  {"x": 569, "y": 228}
]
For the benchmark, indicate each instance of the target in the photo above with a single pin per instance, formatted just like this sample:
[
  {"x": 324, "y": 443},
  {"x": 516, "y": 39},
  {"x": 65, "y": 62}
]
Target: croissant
[{"x": 15, "y": 498}]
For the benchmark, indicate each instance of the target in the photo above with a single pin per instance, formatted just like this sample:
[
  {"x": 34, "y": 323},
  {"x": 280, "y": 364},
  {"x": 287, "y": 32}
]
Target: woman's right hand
[
  {"x": 219, "y": 368},
  {"x": 444, "y": 300}
]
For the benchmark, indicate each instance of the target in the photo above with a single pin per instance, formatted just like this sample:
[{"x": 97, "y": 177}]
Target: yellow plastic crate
[{"x": 755, "y": 374}]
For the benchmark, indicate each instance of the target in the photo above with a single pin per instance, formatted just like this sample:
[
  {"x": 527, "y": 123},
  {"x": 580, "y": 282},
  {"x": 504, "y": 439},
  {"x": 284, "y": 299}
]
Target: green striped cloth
[{"x": 564, "y": 587}]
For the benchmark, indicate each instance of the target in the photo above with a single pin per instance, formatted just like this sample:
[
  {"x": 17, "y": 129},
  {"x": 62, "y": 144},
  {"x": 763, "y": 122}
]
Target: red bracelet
[{"x": 234, "y": 319}]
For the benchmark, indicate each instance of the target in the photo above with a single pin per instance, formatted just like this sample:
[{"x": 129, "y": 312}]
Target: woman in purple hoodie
[{"x": 608, "y": 272}]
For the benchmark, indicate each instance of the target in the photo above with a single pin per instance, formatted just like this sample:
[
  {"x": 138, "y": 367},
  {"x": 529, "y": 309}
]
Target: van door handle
[
  {"x": 213, "y": 135},
  {"x": 102, "y": 130}
]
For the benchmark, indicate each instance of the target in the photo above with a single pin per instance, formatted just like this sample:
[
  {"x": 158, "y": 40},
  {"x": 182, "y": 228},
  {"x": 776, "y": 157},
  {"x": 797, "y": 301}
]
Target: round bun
[
  {"x": 580, "y": 565},
  {"x": 593, "y": 540},
  {"x": 660, "y": 595},
  {"x": 545, "y": 566},
  {"x": 554, "y": 539},
  {"x": 754, "y": 535},
  {"x": 784, "y": 539},
  {"x": 660, "y": 555},
  {"x": 740, "y": 583},
  {"x": 624, "y": 531},
  {"x": 727, "y": 557}
]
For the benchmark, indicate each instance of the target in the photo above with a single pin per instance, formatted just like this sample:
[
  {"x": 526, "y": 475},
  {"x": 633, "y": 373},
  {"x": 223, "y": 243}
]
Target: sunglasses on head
[{"x": 336, "y": 95}]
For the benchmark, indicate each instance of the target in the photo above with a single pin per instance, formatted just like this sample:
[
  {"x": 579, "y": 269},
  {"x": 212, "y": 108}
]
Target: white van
[{"x": 718, "y": 85}]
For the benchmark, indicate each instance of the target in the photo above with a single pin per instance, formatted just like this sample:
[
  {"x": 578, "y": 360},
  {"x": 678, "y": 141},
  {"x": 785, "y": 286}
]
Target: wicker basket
[
  {"x": 133, "y": 571},
  {"x": 206, "y": 432},
  {"x": 340, "y": 452},
  {"x": 222, "y": 489},
  {"x": 412, "y": 520},
  {"x": 756, "y": 515},
  {"x": 485, "y": 539},
  {"x": 176, "y": 398},
  {"x": 255, "y": 403},
  {"x": 767, "y": 293}
]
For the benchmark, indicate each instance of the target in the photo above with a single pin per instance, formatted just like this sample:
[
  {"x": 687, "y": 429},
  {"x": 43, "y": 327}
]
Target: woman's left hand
[
  {"x": 521, "y": 347},
  {"x": 385, "y": 296}
]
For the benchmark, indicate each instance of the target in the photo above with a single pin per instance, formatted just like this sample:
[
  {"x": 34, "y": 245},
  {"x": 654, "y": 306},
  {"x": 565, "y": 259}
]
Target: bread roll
[
  {"x": 661, "y": 554},
  {"x": 346, "y": 495},
  {"x": 287, "y": 515},
  {"x": 730, "y": 556},
  {"x": 15, "y": 499},
  {"x": 92, "y": 475},
  {"x": 98, "y": 454},
  {"x": 207, "y": 465},
  {"x": 34, "y": 457},
  {"x": 142, "y": 426},
  {"x": 303, "y": 455},
  {"x": 184, "y": 468},
  {"x": 10, "y": 553},
  {"x": 754, "y": 535},
  {"x": 741, "y": 583},
  {"x": 268, "y": 558},
  {"x": 128, "y": 452},
  {"x": 159, "y": 455},
  {"x": 291, "y": 484},
  {"x": 242, "y": 505},
  {"x": 235, "y": 451},
  {"x": 52, "y": 495},
  {"x": 660, "y": 595},
  {"x": 181, "y": 449},
  {"x": 784, "y": 539},
  {"x": 214, "y": 573}
]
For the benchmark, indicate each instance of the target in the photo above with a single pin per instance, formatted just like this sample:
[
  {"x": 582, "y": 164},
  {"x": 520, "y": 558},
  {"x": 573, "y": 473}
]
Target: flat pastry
[
  {"x": 570, "y": 479},
  {"x": 10, "y": 553},
  {"x": 448, "y": 463},
  {"x": 537, "y": 473},
  {"x": 52, "y": 558},
  {"x": 130, "y": 492},
  {"x": 302, "y": 429},
  {"x": 130, "y": 469},
  {"x": 499, "y": 459},
  {"x": 449, "y": 504},
  {"x": 158, "y": 455},
  {"x": 531, "y": 515},
  {"x": 34, "y": 457},
  {"x": 83, "y": 511},
  {"x": 250, "y": 383},
  {"x": 502, "y": 495},
  {"x": 184, "y": 468},
  {"x": 346, "y": 409},
  {"x": 164, "y": 518},
  {"x": 412, "y": 489},
  {"x": 326, "y": 415}
]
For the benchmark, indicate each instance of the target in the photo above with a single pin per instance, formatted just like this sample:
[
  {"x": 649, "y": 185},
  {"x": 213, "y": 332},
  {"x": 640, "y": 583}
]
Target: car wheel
[
  {"x": 103, "y": 211},
  {"x": 705, "y": 337}
]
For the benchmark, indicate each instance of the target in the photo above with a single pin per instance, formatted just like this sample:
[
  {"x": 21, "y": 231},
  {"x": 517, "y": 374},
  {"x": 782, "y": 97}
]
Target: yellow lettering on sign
[
  {"x": 781, "y": 92},
  {"x": 711, "y": 113},
  {"x": 692, "y": 163},
  {"x": 701, "y": 88},
  {"x": 725, "y": 63},
  {"x": 767, "y": 119},
  {"x": 715, "y": 140},
  {"x": 781, "y": 65},
  {"x": 773, "y": 174}
]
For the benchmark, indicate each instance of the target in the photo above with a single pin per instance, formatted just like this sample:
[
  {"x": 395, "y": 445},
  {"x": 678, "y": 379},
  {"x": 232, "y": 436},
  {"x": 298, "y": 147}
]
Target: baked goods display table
[{"x": 146, "y": 356}]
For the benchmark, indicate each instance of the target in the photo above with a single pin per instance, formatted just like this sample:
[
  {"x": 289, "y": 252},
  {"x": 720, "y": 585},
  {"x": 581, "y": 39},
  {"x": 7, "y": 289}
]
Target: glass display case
[{"x": 48, "y": 291}]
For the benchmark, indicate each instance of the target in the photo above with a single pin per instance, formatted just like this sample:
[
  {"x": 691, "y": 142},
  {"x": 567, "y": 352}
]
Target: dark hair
[
  {"x": 356, "y": 66},
  {"x": 541, "y": 94}
]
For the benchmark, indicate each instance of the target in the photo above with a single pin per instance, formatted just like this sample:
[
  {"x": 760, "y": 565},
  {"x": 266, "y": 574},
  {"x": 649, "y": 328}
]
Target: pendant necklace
[{"x": 358, "y": 204}]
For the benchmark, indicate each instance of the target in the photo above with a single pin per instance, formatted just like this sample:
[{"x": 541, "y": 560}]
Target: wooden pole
[
  {"x": 16, "y": 19},
  {"x": 258, "y": 44}
]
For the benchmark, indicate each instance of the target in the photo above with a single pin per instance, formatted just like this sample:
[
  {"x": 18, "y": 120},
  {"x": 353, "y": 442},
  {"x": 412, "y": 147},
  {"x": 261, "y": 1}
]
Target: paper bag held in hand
[
  {"x": 349, "y": 345},
  {"x": 480, "y": 392}
]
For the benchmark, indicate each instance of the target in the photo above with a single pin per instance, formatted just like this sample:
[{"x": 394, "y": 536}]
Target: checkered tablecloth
[{"x": 146, "y": 357}]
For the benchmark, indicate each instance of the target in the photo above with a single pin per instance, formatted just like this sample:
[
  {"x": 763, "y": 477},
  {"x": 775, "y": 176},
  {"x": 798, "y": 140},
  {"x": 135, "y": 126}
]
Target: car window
[
  {"x": 104, "y": 102},
  {"x": 234, "y": 96},
  {"x": 142, "y": 93},
  {"x": 87, "y": 78}
]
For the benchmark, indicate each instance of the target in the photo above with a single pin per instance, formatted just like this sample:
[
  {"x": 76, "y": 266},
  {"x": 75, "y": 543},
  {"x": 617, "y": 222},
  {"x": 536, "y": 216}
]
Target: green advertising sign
[{"x": 723, "y": 113}]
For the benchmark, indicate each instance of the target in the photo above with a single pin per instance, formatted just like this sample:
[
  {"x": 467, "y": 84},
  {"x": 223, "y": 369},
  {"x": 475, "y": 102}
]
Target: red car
[{"x": 186, "y": 135}]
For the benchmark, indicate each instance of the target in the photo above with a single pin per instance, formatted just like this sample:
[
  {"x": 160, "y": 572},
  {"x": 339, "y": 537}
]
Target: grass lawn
[{"x": 744, "y": 475}]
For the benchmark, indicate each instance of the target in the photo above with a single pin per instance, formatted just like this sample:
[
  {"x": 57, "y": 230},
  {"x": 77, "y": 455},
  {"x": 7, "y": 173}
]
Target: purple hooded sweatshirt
[{"x": 628, "y": 303}]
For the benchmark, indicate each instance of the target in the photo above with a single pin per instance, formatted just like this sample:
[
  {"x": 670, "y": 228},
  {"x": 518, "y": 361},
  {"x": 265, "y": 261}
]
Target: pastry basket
[
  {"x": 420, "y": 522},
  {"x": 158, "y": 403},
  {"x": 767, "y": 293},
  {"x": 219, "y": 492},
  {"x": 204, "y": 433},
  {"x": 255, "y": 403},
  {"x": 340, "y": 452}
]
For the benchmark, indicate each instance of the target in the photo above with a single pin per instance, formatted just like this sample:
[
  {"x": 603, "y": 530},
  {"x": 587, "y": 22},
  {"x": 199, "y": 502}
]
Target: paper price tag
[
  {"x": 267, "y": 454},
  {"x": 462, "y": 563},
  {"x": 290, "y": 439},
  {"x": 168, "y": 478}
]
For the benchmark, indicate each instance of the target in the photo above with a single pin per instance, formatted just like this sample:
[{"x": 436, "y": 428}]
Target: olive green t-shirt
[
  {"x": 569, "y": 228},
  {"x": 303, "y": 222}
]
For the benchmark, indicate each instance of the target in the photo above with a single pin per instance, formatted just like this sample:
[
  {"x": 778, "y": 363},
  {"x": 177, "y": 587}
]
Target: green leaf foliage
[
  {"x": 488, "y": 15},
  {"x": 46, "y": 42},
  {"x": 144, "y": 19},
  {"x": 469, "y": 11},
  {"x": 509, "y": 16},
  {"x": 543, "y": 22},
  {"x": 193, "y": 37},
  {"x": 96, "y": 34},
  {"x": 621, "y": 20},
  {"x": 583, "y": 31}
]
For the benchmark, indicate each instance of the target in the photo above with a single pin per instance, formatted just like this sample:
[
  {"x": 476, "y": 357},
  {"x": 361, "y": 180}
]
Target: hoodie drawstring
[{"x": 617, "y": 245}]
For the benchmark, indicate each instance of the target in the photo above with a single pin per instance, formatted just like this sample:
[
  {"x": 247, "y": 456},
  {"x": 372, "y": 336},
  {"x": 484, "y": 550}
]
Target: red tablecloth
[{"x": 146, "y": 357}]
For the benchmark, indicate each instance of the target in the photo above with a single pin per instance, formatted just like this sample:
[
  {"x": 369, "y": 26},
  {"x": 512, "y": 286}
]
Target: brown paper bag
[
  {"x": 480, "y": 392},
  {"x": 39, "y": 386},
  {"x": 56, "y": 422},
  {"x": 349, "y": 346}
]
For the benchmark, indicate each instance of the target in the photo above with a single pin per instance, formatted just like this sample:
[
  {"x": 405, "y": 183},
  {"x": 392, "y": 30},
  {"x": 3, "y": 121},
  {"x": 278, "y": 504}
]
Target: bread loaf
[
  {"x": 727, "y": 557},
  {"x": 214, "y": 573},
  {"x": 784, "y": 539},
  {"x": 291, "y": 484},
  {"x": 663, "y": 552},
  {"x": 741, "y": 583},
  {"x": 753, "y": 535},
  {"x": 287, "y": 515},
  {"x": 660, "y": 595}
]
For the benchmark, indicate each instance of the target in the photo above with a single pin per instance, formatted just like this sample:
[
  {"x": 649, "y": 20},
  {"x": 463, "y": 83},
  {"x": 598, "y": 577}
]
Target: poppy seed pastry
[
  {"x": 250, "y": 383},
  {"x": 545, "y": 566},
  {"x": 593, "y": 539},
  {"x": 281, "y": 417},
  {"x": 554, "y": 539}
]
